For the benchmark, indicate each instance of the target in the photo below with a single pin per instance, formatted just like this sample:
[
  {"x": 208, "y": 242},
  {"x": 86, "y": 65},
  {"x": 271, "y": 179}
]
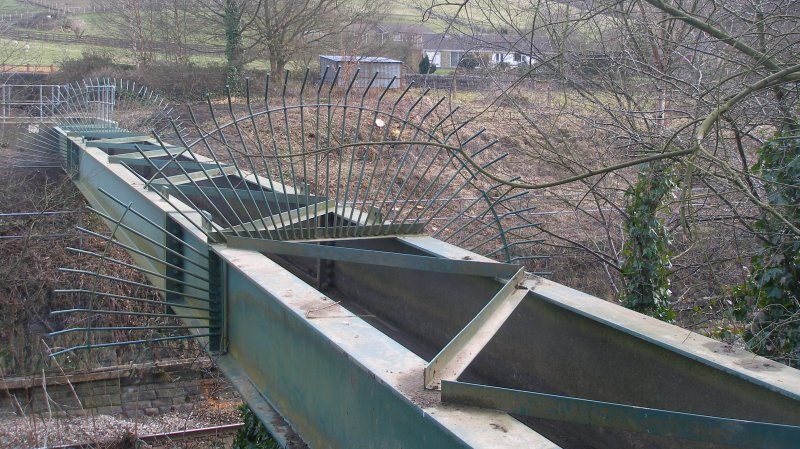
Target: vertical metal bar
[
  {"x": 290, "y": 150},
  {"x": 304, "y": 157},
  {"x": 278, "y": 162},
  {"x": 377, "y": 163},
  {"x": 354, "y": 151},
  {"x": 263, "y": 160},
  {"x": 328, "y": 133},
  {"x": 216, "y": 315},
  {"x": 211, "y": 180},
  {"x": 340, "y": 203},
  {"x": 318, "y": 187},
  {"x": 241, "y": 174}
]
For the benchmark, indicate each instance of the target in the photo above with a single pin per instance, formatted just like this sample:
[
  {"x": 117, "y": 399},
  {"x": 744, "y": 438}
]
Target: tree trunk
[{"x": 234, "y": 51}]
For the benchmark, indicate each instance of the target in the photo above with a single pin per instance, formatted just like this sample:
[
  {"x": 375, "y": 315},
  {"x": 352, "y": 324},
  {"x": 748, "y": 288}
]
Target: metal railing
[
  {"x": 28, "y": 68},
  {"x": 30, "y": 100}
]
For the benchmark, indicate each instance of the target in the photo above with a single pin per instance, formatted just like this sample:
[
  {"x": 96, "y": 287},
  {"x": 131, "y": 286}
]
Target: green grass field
[
  {"x": 46, "y": 53},
  {"x": 14, "y": 5},
  {"x": 39, "y": 52}
]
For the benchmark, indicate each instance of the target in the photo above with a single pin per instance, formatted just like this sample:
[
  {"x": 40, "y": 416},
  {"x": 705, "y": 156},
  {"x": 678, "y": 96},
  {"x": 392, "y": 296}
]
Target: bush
[
  {"x": 183, "y": 82},
  {"x": 469, "y": 61},
  {"x": 425, "y": 66},
  {"x": 178, "y": 82},
  {"x": 252, "y": 434},
  {"x": 89, "y": 64}
]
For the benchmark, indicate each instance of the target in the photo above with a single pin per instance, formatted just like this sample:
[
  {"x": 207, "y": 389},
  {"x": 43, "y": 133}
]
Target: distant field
[
  {"x": 46, "y": 53},
  {"x": 39, "y": 52},
  {"x": 61, "y": 3},
  {"x": 15, "y": 6}
]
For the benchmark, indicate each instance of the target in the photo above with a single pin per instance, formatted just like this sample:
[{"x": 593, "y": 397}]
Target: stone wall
[{"x": 130, "y": 390}]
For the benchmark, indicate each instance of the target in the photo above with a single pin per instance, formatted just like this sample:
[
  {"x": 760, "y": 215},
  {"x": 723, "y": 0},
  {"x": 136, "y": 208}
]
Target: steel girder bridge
[{"x": 343, "y": 285}]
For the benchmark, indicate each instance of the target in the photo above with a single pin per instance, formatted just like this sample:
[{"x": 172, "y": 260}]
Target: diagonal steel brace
[{"x": 462, "y": 350}]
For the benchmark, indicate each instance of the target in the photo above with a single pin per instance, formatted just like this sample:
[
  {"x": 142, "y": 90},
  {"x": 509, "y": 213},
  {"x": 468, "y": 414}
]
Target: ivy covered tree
[
  {"x": 770, "y": 297},
  {"x": 234, "y": 50},
  {"x": 646, "y": 254}
]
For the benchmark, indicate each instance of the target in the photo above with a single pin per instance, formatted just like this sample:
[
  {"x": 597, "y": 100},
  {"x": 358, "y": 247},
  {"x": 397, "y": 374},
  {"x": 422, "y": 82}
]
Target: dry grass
[{"x": 30, "y": 273}]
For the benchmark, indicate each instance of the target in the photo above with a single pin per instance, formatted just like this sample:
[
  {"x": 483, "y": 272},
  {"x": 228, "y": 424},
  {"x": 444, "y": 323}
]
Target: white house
[{"x": 447, "y": 50}]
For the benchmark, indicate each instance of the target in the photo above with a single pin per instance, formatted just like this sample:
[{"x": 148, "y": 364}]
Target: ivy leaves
[
  {"x": 770, "y": 297},
  {"x": 646, "y": 253},
  {"x": 252, "y": 434}
]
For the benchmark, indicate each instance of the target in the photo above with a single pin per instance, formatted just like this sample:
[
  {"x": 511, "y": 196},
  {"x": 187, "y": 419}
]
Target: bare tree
[
  {"x": 284, "y": 28},
  {"x": 699, "y": 85},
  {"x": 230, "y": 21},
  {"x": 178, "y": 29},
  {"x": 154, "y": 28},
  {"x": 136, "y": 21}
]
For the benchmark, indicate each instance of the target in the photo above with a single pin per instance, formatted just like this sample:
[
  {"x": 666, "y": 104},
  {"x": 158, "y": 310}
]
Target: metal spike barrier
[{"x": 303, "y": 242}]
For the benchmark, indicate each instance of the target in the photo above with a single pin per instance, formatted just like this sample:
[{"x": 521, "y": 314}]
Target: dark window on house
[
  {"x": 455, "y": 58},
  {"x": 517, "y": 57}
]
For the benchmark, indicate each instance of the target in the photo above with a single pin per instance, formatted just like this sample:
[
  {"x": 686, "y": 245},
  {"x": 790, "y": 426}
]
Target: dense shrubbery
[{"x": 175, "y": 81}]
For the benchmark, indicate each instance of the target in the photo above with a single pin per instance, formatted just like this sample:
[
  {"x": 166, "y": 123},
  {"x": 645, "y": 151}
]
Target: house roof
[
  {"x": 484, "y": 42},
  {"x": 403, "y": 28},
  {"x": 389, "y": 28},
  {"x": 368, "y": 59}
]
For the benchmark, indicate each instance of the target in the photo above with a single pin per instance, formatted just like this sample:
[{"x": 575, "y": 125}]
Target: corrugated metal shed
[{"x": 389, "y": 70}]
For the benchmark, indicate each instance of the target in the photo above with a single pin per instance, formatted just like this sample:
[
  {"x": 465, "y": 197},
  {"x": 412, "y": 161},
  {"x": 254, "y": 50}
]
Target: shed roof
[{"x": 369, "y": 59}]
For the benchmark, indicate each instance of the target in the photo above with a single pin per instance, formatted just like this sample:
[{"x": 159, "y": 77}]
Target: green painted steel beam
[
  {"x": 288, "y": 218},
  {"x": 158, "y": 152},
  {"x": 337, "y": 380},
  {"x": 197, "y": 176},
  {"x": 144, "y": 145},
  {"x": 107, "y": 135},
  {"x": 663, "y": 423},
  {"x": 230, "y": 194},
  {"x": 451, "y": 361},
  {"x": 330, "y": 234},
  {"x": 379, "y": 258},
  {"x": 189, "y": 166}
]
